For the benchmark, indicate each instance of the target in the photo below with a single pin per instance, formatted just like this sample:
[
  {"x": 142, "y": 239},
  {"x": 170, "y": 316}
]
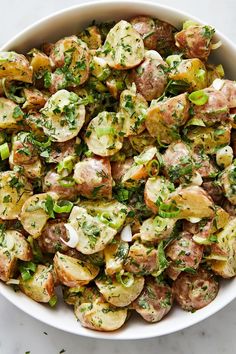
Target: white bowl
[{"x": 68, "y": 22}]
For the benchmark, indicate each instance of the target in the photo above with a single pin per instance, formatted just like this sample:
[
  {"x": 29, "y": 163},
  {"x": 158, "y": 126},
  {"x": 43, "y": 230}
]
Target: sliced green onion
[
  {"x": 27, "y": 270},
  {"x": 105, "y": 131},
  {"x": 189, "y": 23},
  {"x": 4, "y": 151},
  {"x": 63, "y": 206},
  {"x": 199, "y": 98},
  {"x": 159, "y": 223},
  {"x": 168, "y": 210},
  {"x": 201, "y": 74},
  {"x": 126, "y": 279},
  {"x": 173, "y": 60},
  {"x": 66, "y": 164},
  {"x": 195, "y": 121},
  {"x": 67, "y": 182},
  {"x": 53, "y": 301},
  {"x": 41, "y": 144},
  {"x": 153, "y": 165}
]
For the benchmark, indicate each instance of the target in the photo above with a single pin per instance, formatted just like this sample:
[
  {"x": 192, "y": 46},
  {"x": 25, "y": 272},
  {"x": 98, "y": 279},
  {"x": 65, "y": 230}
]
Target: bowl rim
[{"x": 4, "y": 290}]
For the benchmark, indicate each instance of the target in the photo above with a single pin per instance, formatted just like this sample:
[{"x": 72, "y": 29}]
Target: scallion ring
[
  {"x": 4, "y": 151},
  {"x": 153, "y": 165},
  {"x": 126, "y": 279},
  {"x": 199, "y": 98},
  {"x": 168, "y": 210},
  {"x": 63, "y": 206}
]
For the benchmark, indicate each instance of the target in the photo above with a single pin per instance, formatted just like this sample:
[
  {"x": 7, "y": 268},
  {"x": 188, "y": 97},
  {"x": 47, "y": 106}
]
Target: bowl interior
[{"x": 68, "y": 22}]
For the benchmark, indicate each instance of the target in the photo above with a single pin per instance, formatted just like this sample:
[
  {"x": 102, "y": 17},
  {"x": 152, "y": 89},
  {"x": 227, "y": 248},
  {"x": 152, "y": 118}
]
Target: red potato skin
[
  {"x": 141, "y": 262},
  {"x": 206, "y": 166},
  {"x": 215, "y": 110},
  {"x": 20, "y": 158},
  {"x": 119, "y": 168},
  {"x": 195, "y": 291},
  {"x": 150, "y": 78},
  {"x": 61, "y": 150},
  {"x": 185, "y": 251},
  {"x": 157, "y": 35},
  {"x": 214, "y": 190},
  {"x": 229, "y": 91},
  {"x": 7, "y": 266},
  {"x": 157, "y": 295},
  {"x": 50, "y": 239},
  {"x": 193, "y": 42},
  {"x": 51, "y": 183},
  {"x": 90, "y": 187},
  {"x": 230, "y": 208}
]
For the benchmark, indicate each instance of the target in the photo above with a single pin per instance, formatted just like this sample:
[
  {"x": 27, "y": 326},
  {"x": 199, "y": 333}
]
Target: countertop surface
[{"x": 20, "y": 333}]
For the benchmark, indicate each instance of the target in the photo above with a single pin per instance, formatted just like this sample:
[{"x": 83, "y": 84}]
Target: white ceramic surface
[{"x": 68, "y": 22}]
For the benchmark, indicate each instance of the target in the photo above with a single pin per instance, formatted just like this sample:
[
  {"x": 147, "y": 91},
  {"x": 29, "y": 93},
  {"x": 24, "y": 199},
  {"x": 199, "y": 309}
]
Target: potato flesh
[
  {"x": 124, "y": 46},
  {"x": 33, "y": 215},
  {"x": 133, "y": 107},
  {"x": 73, "y": 272},
  {"x": 15, "y": 190},
  {"x": 40, "y": 287},
  {"x": 100, "y": 316},
  {"x": 118, "y": 295},
  {"x": 93, "y": 235},
  {"x": 15, "y": 66},
  {"x": 56, "y": 125},
  {"x": 102, "y": 135},
  {"x": 227, "y": 242},
  {"x": 8, "y": 118},
  {"x": 192, "y": 202},
  {"x": 16, "y": 243}
]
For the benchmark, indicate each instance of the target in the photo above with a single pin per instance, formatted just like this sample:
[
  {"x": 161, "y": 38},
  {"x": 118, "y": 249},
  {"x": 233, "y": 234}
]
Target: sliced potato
[
  {"x": 100, "y": 316},
  {"x": 208, "y": 138},
  {"x": 36, "y": 211},
  {"x": 140, "y": 168},
  {"x": 16, "y": 244},
  {"x": 226, "y": 240},
  {"x": 156, "y": 188},
  {"x": 192, "y": 202},
  {"x": 141, "y": 141},
  {"x": 72, "y": 54},
  {"x": 93, "y": 235},
  {"x": 115, "y": 255},
  {"x": 15, "y": 190},
  {"x": 156, "y": 229},
  {"x": 40, "y": 287},
  {"x": 118, "y": 295},
  {"x": 112, "y": 213},
  {"x": 40, "y": 63},
  {"x": 191, "y": 71},
  {"x": 102, "y": 135},
  {"x": 10, "y": 114},
  {"x": 124, "y": 48},
  {"x": 92, "y": 37},
  {"x": 93, "y": 178},
  {"x": 31, "y": 171},
  {"x": 62, "y": 116},
  {"x": 15, "y": 66},
  {"x": 7, "y": 264},
  {"x": 133, "y": 107},
  {"x": 165, "y": 117},
  {"x": 72, "y": 271},
  {"x": 228, "y": 180}
]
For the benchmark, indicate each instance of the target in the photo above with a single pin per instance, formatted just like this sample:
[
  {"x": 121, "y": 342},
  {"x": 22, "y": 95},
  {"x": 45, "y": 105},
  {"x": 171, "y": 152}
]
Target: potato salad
[{"x": 117, "y": 171}]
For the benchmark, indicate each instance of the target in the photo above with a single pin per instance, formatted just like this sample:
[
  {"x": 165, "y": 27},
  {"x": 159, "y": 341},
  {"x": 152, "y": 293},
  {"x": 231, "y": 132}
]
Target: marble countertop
[{"x": 20, "y": 333}]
